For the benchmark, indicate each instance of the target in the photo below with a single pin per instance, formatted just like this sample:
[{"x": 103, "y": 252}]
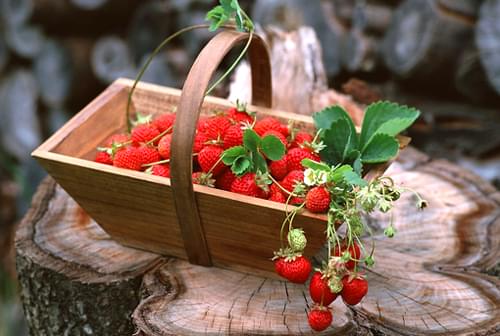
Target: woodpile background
[{"x": 442, "y": 56}]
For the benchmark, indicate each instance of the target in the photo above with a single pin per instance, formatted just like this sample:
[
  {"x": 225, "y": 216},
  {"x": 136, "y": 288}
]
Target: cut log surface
[
  {"x": 488, "y": 40},
  {"x": 427, "y": 280}
]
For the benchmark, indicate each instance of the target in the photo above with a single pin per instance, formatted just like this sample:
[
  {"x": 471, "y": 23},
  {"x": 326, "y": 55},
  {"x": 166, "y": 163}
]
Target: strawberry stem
[{"x": 159, "y": 136}]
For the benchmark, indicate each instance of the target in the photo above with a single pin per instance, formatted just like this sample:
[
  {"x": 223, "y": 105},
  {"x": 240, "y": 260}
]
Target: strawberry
[
  {"x": 164, "y": 122},
  {"x": 233, "y": 136},
  {"x": 217, "y": 127},
  {"x": 103, "y": 157},
  {"x": 285, "y": 130},
  {"x": 164, "y": 146},
  {"x": 320, "y": 291},
  {"x": 277, "y": 134},
  {"x": 209, "y": 159},
  {"x": 148, "y": 154},
  {"x": 246, "y": 185},
  {"x": 225, "y": 180},
  {"x": 276, "y": 194},
  {"x": 279, "y": 168},
  {"x": 203, "y": 178},
  {"x": 202, "y": 124},
  {"x": 239, "y": 116},
  {"x": 318, "y": 199},
  {"x": 199, "y": 141},
  {"x": 296, "y": 155},
  {"x": 353, "y": 290},
  {"x": 144, "y": 133},
  {"x": 291, "y": 179},
  {"x": 279, "y": 264},
  {"x": 320, "y": 318},
  {"x": 296, "y": 269},
  {"x": 161, "y": 170},
  {"x": 296, "y": 200},
  {"x": 129, "y": 158},
  {"x": 354, "y": 251},
  {"x": 116, "y": 139},
  {"x": 267, "y": 124},
  {"x": 300, "y": 138}
]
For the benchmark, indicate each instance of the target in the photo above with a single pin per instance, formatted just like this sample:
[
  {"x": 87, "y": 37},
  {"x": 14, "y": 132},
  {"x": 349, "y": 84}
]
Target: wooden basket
[{"x": 207, "y": 226}]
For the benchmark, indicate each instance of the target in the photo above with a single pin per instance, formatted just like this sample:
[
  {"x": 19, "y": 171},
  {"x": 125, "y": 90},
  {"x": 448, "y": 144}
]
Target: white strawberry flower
[{"x": 309, "y": 177}]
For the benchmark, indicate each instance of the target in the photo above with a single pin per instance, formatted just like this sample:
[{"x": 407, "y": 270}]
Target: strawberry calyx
[
  {"x": 287, "y": 254},
  {"x": 141, "y": 119},
  {"x": 205, "y": 179}
]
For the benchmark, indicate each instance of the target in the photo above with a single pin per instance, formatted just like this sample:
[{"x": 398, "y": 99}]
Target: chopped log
[
  {"x": 20, "y": 127},
  {"x": 423, "y": 41},
  {"x": 296, "y": 61},
  {"x": 468, "y": 8},
  {"x": 359, "y": 52},
  {"x": 376, "y": 16},
  {"x": 418, "y": 286},
  {"x": 25, "y": 40},
  {"x": 471, "y": 79},
  {"x": 16, "y": 12},
  {"x": 158, "y": 71},
  {"x": 54, "y": 74},
  {"x": 292, "y": 14},
  {"x": 4, "y": 54},
  {"x": 88, "y": 4},
  {"x": 488, "y": 40},
  {"x": 74, "y": 279},
  {"x": 111, "y": 59}
]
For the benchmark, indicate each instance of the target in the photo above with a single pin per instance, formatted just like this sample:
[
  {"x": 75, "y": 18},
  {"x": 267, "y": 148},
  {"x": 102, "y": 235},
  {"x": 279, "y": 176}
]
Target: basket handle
[{"x": 188, "y": 111}]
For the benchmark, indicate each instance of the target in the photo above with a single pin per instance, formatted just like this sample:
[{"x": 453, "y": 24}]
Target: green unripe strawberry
[{"x": 297, "y": 240}]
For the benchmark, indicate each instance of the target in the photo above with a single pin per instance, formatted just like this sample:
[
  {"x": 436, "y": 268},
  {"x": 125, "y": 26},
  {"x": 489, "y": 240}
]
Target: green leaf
[
  {"x": 354, "y": 179},
  {"x": 308, "y": 163},
  {"x": 241, "y": 165},
  {"x": 340, "y": 139},
  {"x": 357, "y": 165},
  {"x": 260, "y": 164},
  {"x": 381, "y": 148},
  {"x": 217, "y": 16},
  {"x": 231, "y": 154},
  {"x": 329, "y": 115},
  {"x": 337, "y": 174},
  {"x": 272, "y": 147},
  {"x": 251, "y": 140},
  {"x": 386, "y": 118}
]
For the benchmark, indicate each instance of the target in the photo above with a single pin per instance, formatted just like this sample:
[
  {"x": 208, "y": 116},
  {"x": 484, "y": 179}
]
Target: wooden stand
[{"x": 427, "y": 280}]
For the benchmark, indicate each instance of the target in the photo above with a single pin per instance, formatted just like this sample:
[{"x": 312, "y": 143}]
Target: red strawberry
[
  {"x": 116, "y": 139},
  {"x": 164, "y": 122},
  {"x": 202, "y": 124},
  {"x": 279, "y": 169},
  {"x": 217, "y": 127},
  {"x": 320, "y": 291},
  {"x": 129, "y": 158},
  {"x": 320, "y": 318},
  {"x": 276, "y": 194},
  {"x": 300, "y": 138},
  {"x": 161, "y": 170},
  {"x": 164, "y": 146},
  {"x": 208, "y": 158},
  {"x": 291, "y": 179},
  {"x": 285, "y": 130},
  {"x": 279, "y": 264},
  {"x": 238, "y": 116},
  {"x": 246, "y": 185},
  {"x": 277, "y": 134},
  {"x": 296, "y": 200},
  {"x": 199, "y": 141},
  {"x": 296, "y": 270},
  {"x": 233, "y": 136},
  {"x": 103, "y": 157},
  {"x": 144, "y": 133},
  {"x": 318, "y": 199},
  {"x": 354, "y": 251},
  {"x": 267, "y": 124},
  {"x": 225, "y": 179},
  {"x": 296, "y": 155},
  {"x": 353, "y": 291},
  {"x": 148, "y": 154}
]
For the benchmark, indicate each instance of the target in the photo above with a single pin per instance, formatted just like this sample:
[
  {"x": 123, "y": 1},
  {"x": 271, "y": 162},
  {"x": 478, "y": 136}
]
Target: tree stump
[{"x": 427, "y": 280}]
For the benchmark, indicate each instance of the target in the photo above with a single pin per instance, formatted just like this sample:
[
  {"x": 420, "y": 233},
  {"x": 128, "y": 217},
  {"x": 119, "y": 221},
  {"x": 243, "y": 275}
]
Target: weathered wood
[
  {"x": 488, "y": 40},
  {"x": 375, "y": 17},
  {"x": 292, "y": 14},
  {"x": 462, "y": 7},
  {"x": 88, "y": 4},
  {"x": 26, "y": 41},
  {"x": 75, "y": 280},
  {"x": 15, "y": 12},
  {"x": 423, "y": 41},
  {"x": 296, "y": 61},
  {"x": 427, "y": 280}
]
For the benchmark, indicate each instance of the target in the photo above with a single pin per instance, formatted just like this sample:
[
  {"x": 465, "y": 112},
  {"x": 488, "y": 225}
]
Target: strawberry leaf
[
  {"x": 260, "y": 164},
  {"x": 339, "y": 140},
  {"x": 272, "y": 147},
  {"x": 231, "y": 154},
  {"x": 241, "y": 165},
  {"x": 329, "y": 115},
  {"x": 308, "y": 163},
  {"x": 251, "y": 140},
  {"x": 353, "y": 178},
  {"x": 386, "y": 118},
  {"x": 381, "y": 148}
]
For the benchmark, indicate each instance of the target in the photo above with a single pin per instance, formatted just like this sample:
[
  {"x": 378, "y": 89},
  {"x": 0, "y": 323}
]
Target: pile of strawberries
[{"x": 147, "y": 148}]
